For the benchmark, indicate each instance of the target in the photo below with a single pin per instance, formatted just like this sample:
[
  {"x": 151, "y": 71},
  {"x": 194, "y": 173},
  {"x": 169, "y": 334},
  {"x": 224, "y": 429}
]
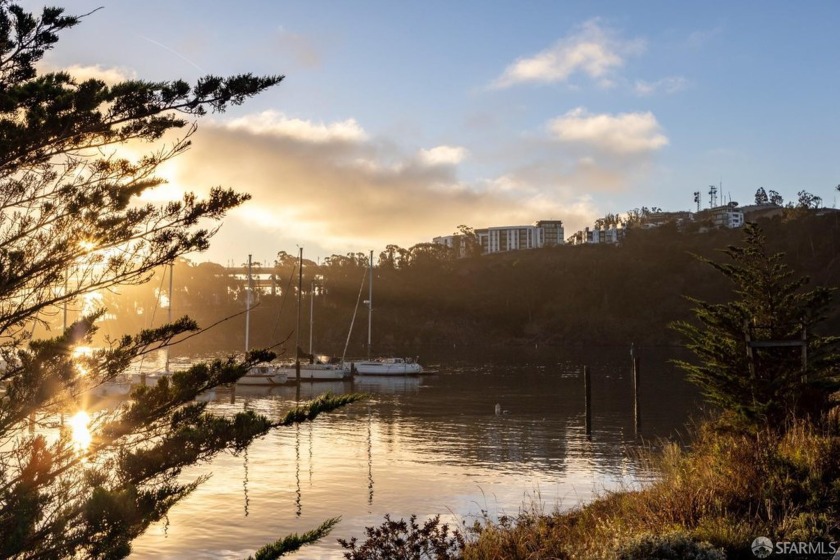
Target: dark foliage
[
  {"x": 406, "y": 541},
  {"x": 763, "y": 384},
  {"x": 70, "y": 225}
]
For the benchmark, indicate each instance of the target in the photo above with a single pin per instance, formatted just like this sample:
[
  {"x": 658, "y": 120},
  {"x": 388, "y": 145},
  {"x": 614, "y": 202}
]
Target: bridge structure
[{"x": 266, "y": 280}]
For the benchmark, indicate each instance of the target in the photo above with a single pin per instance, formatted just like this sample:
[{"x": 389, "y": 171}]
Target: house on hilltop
[{"x": 728, "y": 216}]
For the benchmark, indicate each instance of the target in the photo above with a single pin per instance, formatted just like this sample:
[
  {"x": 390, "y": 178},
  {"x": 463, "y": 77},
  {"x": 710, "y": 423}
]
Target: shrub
[
  {"x": 406, "y": 541},
  {"x": 671, "y": 546}
]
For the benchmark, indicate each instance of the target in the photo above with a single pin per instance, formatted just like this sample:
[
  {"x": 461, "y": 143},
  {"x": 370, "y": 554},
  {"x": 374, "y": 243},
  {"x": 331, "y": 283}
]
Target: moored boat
[
  {"x": 264, "y": 375},
  {"x": 379, "y": 366},
  {"x": 317, "y": 372},
  {"x": 386, "y": 366}
]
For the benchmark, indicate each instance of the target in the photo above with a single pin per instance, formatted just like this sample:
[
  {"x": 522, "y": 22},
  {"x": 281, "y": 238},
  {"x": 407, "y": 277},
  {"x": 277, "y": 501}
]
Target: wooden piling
[
  {"x": 587, "y": 389},
  {"x": 637, "y": 413}
]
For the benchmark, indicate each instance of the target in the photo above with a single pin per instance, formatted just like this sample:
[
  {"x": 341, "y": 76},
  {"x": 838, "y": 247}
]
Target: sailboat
[
  {"x": 383, "y": 365},
  {"x": 151, "y": 379},
  {"x": 264, "y": 374},
  {"x": 314, "y": 370}
]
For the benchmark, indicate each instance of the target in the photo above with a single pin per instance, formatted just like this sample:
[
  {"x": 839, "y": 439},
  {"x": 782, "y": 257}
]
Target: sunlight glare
[
  {"x": 82, "y": 350},
  {"x": 87, "y": 245},
  {"x": 91, "y": 302},
  {"x": 81, "y": 433},
  {"x": 79, "y": 355}
]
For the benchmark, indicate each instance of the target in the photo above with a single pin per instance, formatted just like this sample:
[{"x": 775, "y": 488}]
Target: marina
[{"x": 426, "y": 445}]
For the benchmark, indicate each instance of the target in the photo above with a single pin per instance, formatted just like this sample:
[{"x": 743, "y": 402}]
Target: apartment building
[
  {"x": 729, "y": 216},
  {"x": 498, "y": 239}
]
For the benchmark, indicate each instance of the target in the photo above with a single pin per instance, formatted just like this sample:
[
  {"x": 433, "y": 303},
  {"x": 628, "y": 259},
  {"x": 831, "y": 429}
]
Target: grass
[{"x": 710, "y": 502}]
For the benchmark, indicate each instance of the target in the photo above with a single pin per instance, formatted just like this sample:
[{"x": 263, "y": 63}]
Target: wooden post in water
[
  {"x": 587, "y": 389},
  {"x": 297, "y": 329},
  {"x": 637, "y": 413}
]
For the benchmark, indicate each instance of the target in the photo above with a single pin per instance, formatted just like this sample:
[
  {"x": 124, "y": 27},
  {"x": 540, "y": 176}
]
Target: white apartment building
[
  {"x": 497, "y": 239},
  {"x": 454, "y": 241},
  {"x": 728, "y": 216}
]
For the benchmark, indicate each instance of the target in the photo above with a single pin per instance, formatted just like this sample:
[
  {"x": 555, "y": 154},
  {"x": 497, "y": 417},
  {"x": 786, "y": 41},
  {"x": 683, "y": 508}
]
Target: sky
[{"x": 399, "y": 121}]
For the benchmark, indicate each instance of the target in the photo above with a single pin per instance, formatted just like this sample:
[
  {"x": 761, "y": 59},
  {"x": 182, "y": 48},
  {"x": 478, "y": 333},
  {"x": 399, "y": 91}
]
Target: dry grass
[{"x": 728, "y": 489}]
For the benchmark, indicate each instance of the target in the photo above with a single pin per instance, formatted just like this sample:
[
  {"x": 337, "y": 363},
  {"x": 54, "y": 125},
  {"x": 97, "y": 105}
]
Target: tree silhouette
[
  {"x": 769, "y": 305},
  {"x": 71, "y": 223}
]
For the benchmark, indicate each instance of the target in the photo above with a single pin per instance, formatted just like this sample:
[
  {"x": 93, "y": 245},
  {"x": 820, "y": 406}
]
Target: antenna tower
[
  {"x": 713, "y": 190},
  {"x": 697, "y": 199}
]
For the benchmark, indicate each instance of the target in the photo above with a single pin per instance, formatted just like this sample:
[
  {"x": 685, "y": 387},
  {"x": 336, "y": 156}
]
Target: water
[{"x": 427, "y": 445}]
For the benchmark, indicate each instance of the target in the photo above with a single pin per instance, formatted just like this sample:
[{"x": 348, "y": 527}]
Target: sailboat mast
[
  {"x": 311, "y": 312},
  {"x": 169, "y": 313},
  {"x": 65, "y": 302},
  {"x": 297, "y": 330},
  {"x": 248, "y": 310},
  {"x": 370, "y": 302}
]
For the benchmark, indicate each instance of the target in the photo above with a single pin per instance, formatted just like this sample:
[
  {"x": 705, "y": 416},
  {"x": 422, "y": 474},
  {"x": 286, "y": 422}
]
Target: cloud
[
  {"x": 274, "y": 123},
  {"x": 109, "y": 75},
  {"x": 443, "y": 155},
  {"x": 669, "y": 85},
  {"x": 623, "y": 133},
  {"x": 592, "y": 50},
  {"x": 335, "y": 189}
]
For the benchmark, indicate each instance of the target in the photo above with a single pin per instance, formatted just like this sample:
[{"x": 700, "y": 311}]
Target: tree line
[{"x": 426, "y": 298}]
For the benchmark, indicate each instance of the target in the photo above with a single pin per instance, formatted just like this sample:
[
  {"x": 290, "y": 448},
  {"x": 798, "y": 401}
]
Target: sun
[{"x": 81, "y": 435}]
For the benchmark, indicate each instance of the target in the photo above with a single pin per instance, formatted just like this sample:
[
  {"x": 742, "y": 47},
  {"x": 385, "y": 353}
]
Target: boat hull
[
  {"x": 264, "y": 375},
  {"x": 317, "y": 372},
  {"x": 391, "y": 368}
]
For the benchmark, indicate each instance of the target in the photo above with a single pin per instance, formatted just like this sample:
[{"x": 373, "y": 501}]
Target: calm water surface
[{"x": 427, "y": 445}]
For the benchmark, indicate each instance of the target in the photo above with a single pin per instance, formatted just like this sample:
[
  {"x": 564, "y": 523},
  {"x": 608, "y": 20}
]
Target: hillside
[{"x": 582, "y": 295}]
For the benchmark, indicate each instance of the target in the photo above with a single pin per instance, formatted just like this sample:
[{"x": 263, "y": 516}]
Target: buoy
[{"x": 498, "y": 409}]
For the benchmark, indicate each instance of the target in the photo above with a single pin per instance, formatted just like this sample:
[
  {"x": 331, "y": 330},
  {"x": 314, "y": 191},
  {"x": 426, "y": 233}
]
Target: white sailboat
[
  {"x": 313, "y": 371},
  {"x": 382, "y": 365},
  {"x": 264, "y": 374}
]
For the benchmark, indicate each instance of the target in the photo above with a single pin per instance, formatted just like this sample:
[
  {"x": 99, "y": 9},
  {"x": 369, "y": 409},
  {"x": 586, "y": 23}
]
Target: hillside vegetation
[{"x": 424, "y": 299}]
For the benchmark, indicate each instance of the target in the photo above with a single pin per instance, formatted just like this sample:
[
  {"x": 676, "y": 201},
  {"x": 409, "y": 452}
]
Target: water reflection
[
  {"x": 245, "y": 480},
  {"x": 424, "y": 445},
  {"x": 370, "y": 456},
  {"x": 298, "y": 502},
  {"x": 387, "y": 385}
]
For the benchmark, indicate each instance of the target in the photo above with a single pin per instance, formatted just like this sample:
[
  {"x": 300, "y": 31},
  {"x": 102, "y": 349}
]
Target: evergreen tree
[
  {"x": 71, "y": 224},
  {"x": 761, "y": 196},
  {"x": 762, "y": 385}
]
